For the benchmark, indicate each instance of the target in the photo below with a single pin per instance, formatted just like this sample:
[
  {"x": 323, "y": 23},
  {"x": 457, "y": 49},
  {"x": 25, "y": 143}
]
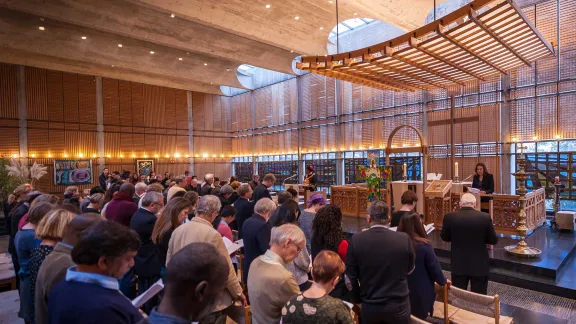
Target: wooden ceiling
[{"x": 212, "y": 37}]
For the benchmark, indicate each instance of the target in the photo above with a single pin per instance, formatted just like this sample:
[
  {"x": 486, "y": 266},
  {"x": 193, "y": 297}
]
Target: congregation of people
[{"x": 84, "y": 258}]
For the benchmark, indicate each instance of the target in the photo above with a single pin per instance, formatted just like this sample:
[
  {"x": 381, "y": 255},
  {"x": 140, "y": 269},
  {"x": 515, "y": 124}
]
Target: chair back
[
  {"x": 247, "y": 315},
  {"x": 463, "y": 299}
]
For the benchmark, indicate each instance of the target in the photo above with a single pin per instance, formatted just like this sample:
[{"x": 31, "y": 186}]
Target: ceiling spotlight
[
  {"x": 151, "y": 52},
  {"x": 119, "y": 45},
  {"x": 205, "y": 64},
  {"x": 112, "y": 65},
  {"x": 296, "y": 17},
  {"x": 267, "y": 6},
  {"x": 172, "y": 15},
  {"x": 321, "y": 28},
  {"x": 355, "y": 14},
  {"x": 41, "y": 28},
  {"x": 330, "y": 1},
  {"x": 179, "y": 59},
  {"x": 83, "y": 37},
  {"x": 227, "y": 70},
  {"x": 291, "y": 51}
]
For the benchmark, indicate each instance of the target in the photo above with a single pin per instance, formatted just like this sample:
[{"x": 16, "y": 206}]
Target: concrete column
[
  {"x": 190, "y": 132},
  {"x": 100, "y": 125},
  {"x": 22, "y": 121}
]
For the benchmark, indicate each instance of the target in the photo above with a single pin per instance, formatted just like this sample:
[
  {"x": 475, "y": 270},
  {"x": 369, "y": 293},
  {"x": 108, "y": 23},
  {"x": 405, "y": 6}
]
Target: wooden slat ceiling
[{"x": 461, "y": 47}]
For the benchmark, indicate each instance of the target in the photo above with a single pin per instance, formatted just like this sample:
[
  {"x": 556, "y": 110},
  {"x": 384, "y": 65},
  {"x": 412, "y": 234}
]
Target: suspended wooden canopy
[{"x": 460, "y": 47}]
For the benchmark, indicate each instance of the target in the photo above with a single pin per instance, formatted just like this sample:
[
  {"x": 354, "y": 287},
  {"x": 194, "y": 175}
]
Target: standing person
[
  {"x": 50, "y": 230},
  {"x": 21, "y": 199},
  {"x": 190, "y": 291},
  {"x": 270, "y": 284},
  {"x": 53, "y": 269},
  {"x": 146, "y": 264},
  {"x": 95, "y": 204},
  {"x": 261, "y": 190},
  {"x": 103, "y": 179},
  {"x": 327, "y": 270},
  {"x": 244, "y": 207},
  {"x": 283, "y": 197},
  {"x": 315, "y": 202},
  {"x": 226, "y": 217},
  {"x": 24, "y": 242},
  {"x": 483, "y": 180},
  {"x": 122, "y": 206},
  {"x": 172, "y": 216},
  {"x": 327, "y": 234},
  {"x": 195, "y": 186},
  {"x": 427, "y": 270},
  {"x": 192, "y": 197},
  {"x": 103, "y": 254},
  {"x": 408, "y": 200},
  {"x": 379, "y": 276},
  {"x": 311, "y": 178},
  {"x": 86, "y": 200},
  {"x": 144, "y": 178},
  {"x": 179, "y": 185},
  {"x": 135, "y": 178},
  {"x": 207, "y": 187},
  {"x": 139, "y": 191},
  {"x": 470, "y": 231},
  {"x": 225, "y": 193},
  {"x": 200, "y": 229},
  {"x": 256, "y": 233},
  {"x": 235, "y": 185},
  {"x": 166, "y": 179},
  {"x": 254, "y": 182}
]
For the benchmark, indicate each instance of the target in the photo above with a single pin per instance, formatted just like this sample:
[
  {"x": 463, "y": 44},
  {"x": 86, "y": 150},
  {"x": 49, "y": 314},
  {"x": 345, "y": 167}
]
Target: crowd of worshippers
[{"x": 84, "y": 260}]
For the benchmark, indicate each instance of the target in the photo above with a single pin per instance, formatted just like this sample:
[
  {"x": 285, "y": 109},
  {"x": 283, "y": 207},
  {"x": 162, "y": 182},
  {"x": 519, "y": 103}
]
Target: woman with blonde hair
[
  {"x": 50, "y": 230},
  {"x": 172, "y": 216}
]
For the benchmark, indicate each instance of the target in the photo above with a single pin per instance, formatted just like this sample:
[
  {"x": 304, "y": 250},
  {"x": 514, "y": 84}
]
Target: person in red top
[
  {"x": 327, "y": 234},
  {"x": 122, "y": 206},
  {"x": 226, "y": 217}
]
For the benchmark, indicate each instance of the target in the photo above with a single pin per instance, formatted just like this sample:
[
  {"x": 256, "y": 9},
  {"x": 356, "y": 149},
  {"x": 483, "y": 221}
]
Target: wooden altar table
[{"x": 352, "y": 199}]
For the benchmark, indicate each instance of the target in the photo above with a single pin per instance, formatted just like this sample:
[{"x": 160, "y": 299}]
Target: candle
[
  {"x": 456, "y": 169},
  {"x": 405, "y": 169}
]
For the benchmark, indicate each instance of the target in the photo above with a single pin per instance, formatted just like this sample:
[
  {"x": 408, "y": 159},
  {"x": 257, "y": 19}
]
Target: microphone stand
[{"x": 290, "y": 177}]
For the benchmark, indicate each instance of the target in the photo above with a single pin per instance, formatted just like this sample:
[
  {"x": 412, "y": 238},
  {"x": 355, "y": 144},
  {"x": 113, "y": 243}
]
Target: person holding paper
[
  {"x": 483, "y": 180},
  {"x": 427, "y": 270}
]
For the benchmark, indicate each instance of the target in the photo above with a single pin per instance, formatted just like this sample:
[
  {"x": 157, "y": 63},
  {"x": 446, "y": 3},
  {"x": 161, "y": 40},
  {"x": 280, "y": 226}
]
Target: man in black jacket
[
  {"x": 146, "y": 264},
  {"x": 207, "y": 187},
  {"x": 256, "y": 233},
  {"x": 386, "y": 258},
  {"x": 244, "y": 207},
  {"x": 103, "y": 178},
  {"x": 469, "y": 231},
  {"x": 261, "y": 190}
]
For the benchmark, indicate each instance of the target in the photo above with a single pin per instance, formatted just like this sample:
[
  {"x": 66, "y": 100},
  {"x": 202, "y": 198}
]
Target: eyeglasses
[{"x": 299, "y": 249}]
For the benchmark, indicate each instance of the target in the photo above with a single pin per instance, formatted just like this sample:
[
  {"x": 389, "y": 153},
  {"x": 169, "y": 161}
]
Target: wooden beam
[
  {"x": 474, "y": 17},
  {"x": 394, "y": 82},
  {"x": 466, "y": 49},
  {"x": 521, "y": 14},
  {"x": 454, "y": 120},
  {"x": 408, "y": 74}
]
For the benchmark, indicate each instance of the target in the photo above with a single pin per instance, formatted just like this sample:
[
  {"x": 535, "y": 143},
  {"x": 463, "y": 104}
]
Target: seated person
[
  {"x": 326, "y": 272},
  {"x": 270, "y": 284}
]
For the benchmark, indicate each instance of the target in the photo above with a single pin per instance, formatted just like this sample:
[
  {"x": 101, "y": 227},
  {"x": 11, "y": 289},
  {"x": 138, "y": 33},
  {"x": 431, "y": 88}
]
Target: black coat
[
  {"x": 102, "y": 181},
  {"x": 244, "y": 209},
  {"x": 487, "y": 183},
  {"x": 427, "y": 271},
  {"x": 206, "y": 189},
  {"x": 377, "y": 263},
  {"x": 256, "y": 236},
  {"x": 260, "y": 192},
  {"x": 146, "y": 263},
  {"x": 469, "y": 231}
]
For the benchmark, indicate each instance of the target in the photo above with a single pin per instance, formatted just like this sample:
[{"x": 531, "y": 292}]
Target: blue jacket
[
  {"x": 256, "y": 236},
  {"x": 427, "y": 271},
  {"x": 146, "y": 263}
]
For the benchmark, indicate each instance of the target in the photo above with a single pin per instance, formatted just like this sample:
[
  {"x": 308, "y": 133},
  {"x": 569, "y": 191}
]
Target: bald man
[{"x": 53, "y": 269}]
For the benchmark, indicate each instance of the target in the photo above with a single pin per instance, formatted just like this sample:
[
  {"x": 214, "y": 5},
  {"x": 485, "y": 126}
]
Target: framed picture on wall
[
  {"x": 144, "y": 167},
  {"x": 72, "y": 172}
]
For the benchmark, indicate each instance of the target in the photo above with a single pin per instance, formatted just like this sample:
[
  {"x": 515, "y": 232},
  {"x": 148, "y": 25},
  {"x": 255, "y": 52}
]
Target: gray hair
[
  {"x": 208, "y": 176},
  {"x": 244, "y": 189},
  {"x": 178, "y": 179},
  {"x": 281, "y": 234},
  {"x": 208, "y": 204},
  {"x": 140, "y": 186},
  {"x": 227, "y": 189},
  {"x": 264, "y": 205},
  {"x": 70, "y": 190},
  {"x": 467, "y": 200},
  {"x": 151, "y": 197},
  {"x": 378, "y": 211}
]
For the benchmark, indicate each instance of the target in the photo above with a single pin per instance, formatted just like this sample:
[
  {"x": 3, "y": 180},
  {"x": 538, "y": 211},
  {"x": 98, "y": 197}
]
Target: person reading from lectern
[
  {"x": 483, "y": 180},
  {"x": 311, "y": 178}
]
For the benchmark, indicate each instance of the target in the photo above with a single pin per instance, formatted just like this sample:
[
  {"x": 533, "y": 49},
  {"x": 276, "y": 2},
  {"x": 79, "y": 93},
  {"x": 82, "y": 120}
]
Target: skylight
[
  {"x": 351, "y": 24},
  {"x": 246, "y": 68}
]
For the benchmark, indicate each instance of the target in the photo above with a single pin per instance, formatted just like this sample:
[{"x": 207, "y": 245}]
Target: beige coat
[
  {"x": 270, "y": 287},
  {"x": 200, "y": 230}
]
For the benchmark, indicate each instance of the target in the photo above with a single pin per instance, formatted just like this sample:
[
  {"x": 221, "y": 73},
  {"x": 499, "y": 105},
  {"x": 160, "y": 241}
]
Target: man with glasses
[{"x": 270, "y": 284}]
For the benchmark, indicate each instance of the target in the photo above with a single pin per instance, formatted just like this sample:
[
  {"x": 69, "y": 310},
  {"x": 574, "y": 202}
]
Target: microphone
[
  {"x": 468, "y": 177},
  {"x": 290, "y": 177}
]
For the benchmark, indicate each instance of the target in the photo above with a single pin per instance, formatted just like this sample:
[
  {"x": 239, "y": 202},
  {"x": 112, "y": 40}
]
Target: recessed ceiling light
[
  {"x": 151, "y": 52},
  {"x": 41, "y": 28},
  {"x": 296, "y": 17},
  {"x": 172, "y": 15},
  {"x": 355, "y": 14},
  {"x": 330, "y": 1},
  {"x": 205, "y": 64},
  {"x": 83, "y": 37},
  {"x": 291, "y": 51},
  {"x": 267, "y": 6},
  {"x": 187, "y": 53},
  {"x": 211, "y": 83},
  {"x": 112, "y": 65},
  {"x": 227, "y": 70},
  {"x": 179, "y": 59},
  {"x": 321, "y": 28},
  {"x": 119, "y": 45}
]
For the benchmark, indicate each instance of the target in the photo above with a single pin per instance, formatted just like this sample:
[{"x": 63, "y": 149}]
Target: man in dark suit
[
  {"x": 146, "y": 264},
  {"x": 261, "y": 190},
  {"x": 254, "y": 182},
  {"x": 256, "y": 233},
  {"x": 386, "y": 258},
  {"x": 469, "y": 231},
  {"x": 103, "y": 179},
  {"x": 244, "y": 207},
  {"x": 207, "y": 187}
]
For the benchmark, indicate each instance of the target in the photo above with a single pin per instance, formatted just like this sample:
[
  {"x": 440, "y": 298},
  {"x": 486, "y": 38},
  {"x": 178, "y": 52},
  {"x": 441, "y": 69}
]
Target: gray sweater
[{"x": 52, "y": 271}]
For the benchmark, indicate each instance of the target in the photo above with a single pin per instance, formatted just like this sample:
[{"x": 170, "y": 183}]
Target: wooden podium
[{"x": 303, "y": 191}]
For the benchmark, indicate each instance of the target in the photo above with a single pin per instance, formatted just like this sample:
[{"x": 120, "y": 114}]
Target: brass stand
[
  {"x": 522, "y": 249},
  {"x": 456, "y": 180}
]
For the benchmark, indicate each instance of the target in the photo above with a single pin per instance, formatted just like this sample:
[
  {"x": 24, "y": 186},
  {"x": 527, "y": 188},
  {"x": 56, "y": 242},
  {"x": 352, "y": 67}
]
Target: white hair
[
  {"x": 208, "y": 204},
  {"x": 281, "y": 234},
  {"x": 467, "y": 200},
  {"x": 208, "y": 177},
  {"x": 140, "y": 186},
  {"x": 151, "y": 197},
  {"x": 264, "y": 205}
]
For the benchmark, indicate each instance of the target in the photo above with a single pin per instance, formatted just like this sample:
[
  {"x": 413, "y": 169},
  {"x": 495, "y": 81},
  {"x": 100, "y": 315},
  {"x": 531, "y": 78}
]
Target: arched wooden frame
[{"x": 423, "y": 148}]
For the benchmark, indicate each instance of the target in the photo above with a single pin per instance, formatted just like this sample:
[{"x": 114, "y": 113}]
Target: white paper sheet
[
  {"x": 433, "y": 176},
  {"x": 148, "y": 294},
  {"x": 230, "y": 246}
]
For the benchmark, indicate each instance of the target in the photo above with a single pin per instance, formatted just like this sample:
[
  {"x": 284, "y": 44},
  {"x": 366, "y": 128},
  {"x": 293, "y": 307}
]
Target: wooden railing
[{"x": 352, "y": 199}]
